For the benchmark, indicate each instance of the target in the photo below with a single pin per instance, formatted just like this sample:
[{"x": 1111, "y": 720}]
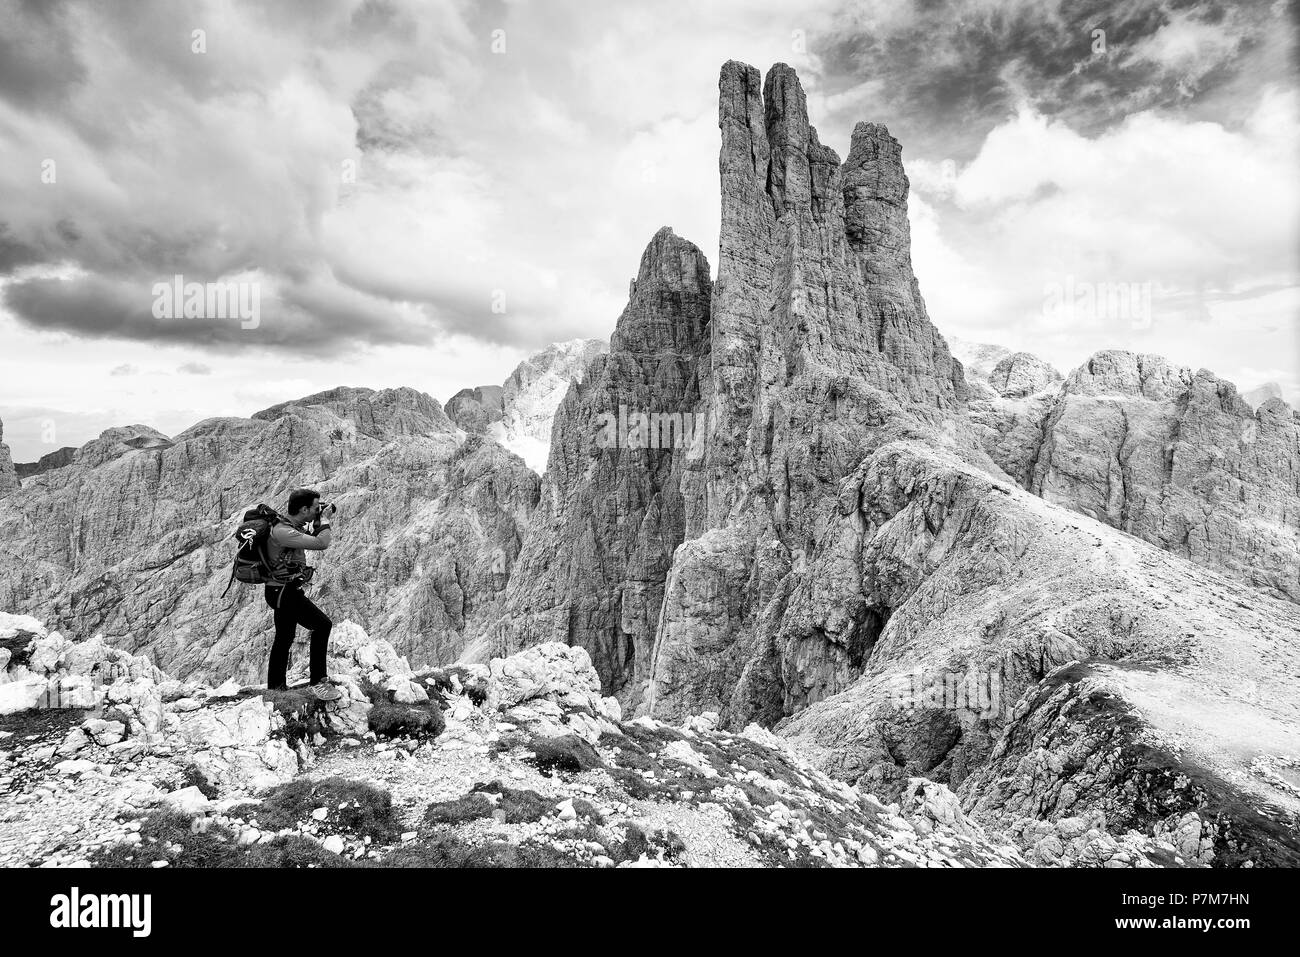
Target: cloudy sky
[{"x": 425, "y": 191}]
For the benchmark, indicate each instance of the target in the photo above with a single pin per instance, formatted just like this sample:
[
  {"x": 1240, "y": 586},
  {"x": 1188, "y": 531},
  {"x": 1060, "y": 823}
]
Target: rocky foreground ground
[{"x": 106, "y": 761}]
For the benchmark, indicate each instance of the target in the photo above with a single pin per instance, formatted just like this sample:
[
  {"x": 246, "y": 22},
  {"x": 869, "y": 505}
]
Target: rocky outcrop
[
  {"x": 977, "y": 358},
  {"x": 8, "y": 477},
  {"x": 1011, "y": 394},
  {"x": 118, "y": 738},
  {"x": 985, "y": 591},
  {"x": 1174, "y": 457},
  {"x": 519, "y": 413},
  {"x": 51, "y": 460},
  {"x": 612, "y": 511},
  {"x": 252, "y": 770},
  {"x": 475, "y": 410},
  {"x": 1020, "y": 375},
  {"x": 132, "y": 539},
  {"x": 1130, "y": 746},
  {"x": 1257, "y": 396}
]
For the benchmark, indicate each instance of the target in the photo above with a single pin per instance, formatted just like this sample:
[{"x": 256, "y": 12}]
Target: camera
[{"x": 327, "y": 508}]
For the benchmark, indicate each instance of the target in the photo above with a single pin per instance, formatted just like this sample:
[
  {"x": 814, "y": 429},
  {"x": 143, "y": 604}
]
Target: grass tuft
[
  {"x": 566, "y": 753},
  {"x": 367, "y": 810},
  {"x": 46, "y": 722},
  {"x": 418, "y": 720},
  {"x": 485, "y": 800},
  {"x": 164, "y": 831},
  {"x": 447, "y": 850}
]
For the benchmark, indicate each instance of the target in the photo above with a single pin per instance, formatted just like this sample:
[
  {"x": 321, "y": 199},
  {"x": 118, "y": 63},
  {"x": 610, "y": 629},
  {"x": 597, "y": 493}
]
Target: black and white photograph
[{"x": 441, "y": 435}]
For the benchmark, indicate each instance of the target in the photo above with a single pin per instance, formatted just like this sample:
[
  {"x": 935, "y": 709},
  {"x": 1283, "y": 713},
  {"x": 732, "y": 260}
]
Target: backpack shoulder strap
[{"x": 229, "y": 583}]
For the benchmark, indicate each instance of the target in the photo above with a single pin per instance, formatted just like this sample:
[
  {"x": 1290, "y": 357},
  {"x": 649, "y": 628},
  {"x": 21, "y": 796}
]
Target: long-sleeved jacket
[{"x": 288, "y": 545}]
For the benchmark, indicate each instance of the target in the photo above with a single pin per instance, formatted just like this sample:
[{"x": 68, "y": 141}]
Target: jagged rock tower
[
  {"x": 601, "y": 542},
  {"x": 812, "y": 349},
  {"x": 821, "y": 351}
]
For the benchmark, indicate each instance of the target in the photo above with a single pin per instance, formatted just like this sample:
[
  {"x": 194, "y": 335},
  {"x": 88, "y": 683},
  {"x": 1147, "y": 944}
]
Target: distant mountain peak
[{"x": 519, "y": 413}]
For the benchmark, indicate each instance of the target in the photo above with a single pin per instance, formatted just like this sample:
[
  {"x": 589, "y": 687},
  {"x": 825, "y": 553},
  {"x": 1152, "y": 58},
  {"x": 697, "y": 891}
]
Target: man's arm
[{"x": 287, "y": 536}]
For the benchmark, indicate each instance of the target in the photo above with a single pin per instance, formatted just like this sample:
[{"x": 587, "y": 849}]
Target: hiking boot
[{"x": 324, "y": 691}]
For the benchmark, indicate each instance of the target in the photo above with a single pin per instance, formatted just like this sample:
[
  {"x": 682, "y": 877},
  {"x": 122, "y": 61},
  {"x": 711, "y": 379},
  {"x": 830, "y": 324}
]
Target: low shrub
[
  {"x": 520, "y": 806},
  {"x": 215, "y": 846},
  {"x": 566, "y": 753},
  {"x": 366, "y": 811},
  {"x": 51, "y": 722},
  {"x": 447, "y": 850},
  {"x": 418, "y": 720}
]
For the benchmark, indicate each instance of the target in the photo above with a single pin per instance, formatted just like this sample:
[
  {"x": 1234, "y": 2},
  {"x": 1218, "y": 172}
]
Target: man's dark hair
[{"x": 302, "y": 498}]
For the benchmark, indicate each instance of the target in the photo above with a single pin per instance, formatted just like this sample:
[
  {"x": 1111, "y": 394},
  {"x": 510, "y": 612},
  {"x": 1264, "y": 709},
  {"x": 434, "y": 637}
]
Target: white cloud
[
  {"x": 1188, "y": 46},
  {"x": 961, "y": 297},
  {"x": 1205, "y": 217}
]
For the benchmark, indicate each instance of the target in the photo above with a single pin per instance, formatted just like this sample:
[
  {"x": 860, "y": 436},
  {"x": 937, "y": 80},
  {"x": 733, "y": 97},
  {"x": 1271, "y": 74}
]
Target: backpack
[{"x": 252, "y": 564}]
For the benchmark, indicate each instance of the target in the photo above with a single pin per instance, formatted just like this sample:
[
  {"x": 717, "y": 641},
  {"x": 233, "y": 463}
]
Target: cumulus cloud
[
  {"x": 942, "y": 75},
  {"x": 1190, "y": 220},
  {"x": 390, "y": 173},
  {"x": 1189, "y": 47}
]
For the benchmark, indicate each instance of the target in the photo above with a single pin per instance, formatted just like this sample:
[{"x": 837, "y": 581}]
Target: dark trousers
[{"x": 296, "y": 609}]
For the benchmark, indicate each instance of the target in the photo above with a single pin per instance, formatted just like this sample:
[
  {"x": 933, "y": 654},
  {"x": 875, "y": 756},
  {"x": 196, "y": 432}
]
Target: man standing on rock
[{"x": 286, "y": 551}]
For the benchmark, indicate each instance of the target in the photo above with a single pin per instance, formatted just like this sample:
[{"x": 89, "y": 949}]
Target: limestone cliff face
[
  {"x": 821, "y": 350},
  {"x": 812, "y": 348},
  {"x": 1011, "y": 394},
  {"x": 1174, "y": 457},
  {"x": 1169, "y": 688},
  {"x": 132, "y": 538},
  {"x": 8, "y": 477},
  {"x": 51, "y": 460},
  {"x": 477, "y": 409},
  {"x": 612, "y": 510}
]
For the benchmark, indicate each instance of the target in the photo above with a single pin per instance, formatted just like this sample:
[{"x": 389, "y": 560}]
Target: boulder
[
  {"x": 22, "y": 694},
  {"x": 188, "y": 800}
]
